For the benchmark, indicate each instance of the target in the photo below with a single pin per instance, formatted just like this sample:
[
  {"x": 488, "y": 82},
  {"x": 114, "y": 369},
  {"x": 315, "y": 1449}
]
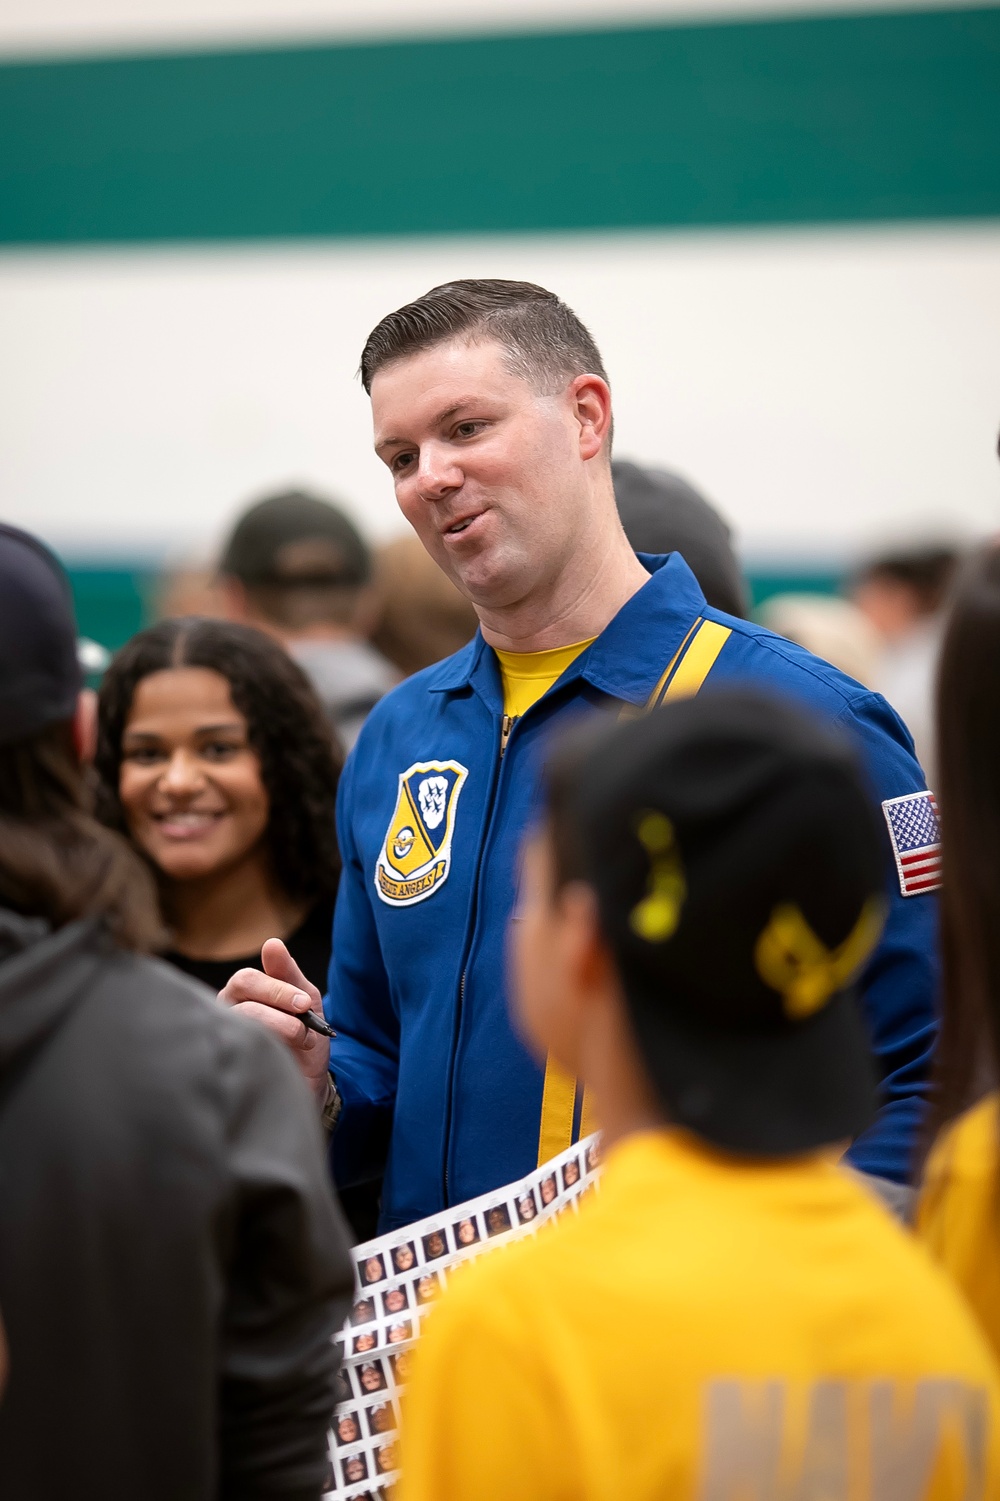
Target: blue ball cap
[{"x": 40, "y": 676}]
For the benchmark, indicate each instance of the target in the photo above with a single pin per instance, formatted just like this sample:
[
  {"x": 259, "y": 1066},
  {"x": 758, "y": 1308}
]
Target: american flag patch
[{"x": 916, "y": 841}]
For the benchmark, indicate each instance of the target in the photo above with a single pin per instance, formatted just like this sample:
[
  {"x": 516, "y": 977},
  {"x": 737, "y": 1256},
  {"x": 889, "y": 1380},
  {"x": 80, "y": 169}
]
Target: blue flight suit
[{"x": 437, "y": 1086}]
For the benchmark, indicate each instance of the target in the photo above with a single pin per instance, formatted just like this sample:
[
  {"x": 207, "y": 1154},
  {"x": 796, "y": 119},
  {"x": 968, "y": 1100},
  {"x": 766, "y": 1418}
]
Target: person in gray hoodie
[{"x": 172, "y": 1261}]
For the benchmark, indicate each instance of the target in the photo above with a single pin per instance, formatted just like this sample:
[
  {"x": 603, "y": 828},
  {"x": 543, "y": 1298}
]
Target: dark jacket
[{"x": 172, "y": 1264}]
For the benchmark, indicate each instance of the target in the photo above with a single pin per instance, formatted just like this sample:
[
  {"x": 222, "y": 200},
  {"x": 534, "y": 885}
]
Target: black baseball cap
[
  {"x": 660, "y": 512},
  {"x": 740, "y": 878},
  {"x": 296, "y": 538},
  {"x": 40, "y": 677}
]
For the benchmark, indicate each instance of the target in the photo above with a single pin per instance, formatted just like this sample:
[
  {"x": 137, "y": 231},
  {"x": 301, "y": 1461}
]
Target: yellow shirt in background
[
  {"x": 958, "y": 1216},
  {"x": 528, "y": 674},
  {"x": 704, "y": 1330}
]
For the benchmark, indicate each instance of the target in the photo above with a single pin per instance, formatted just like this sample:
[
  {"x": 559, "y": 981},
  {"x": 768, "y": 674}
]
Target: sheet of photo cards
[{"x": 397, "y": 1277}]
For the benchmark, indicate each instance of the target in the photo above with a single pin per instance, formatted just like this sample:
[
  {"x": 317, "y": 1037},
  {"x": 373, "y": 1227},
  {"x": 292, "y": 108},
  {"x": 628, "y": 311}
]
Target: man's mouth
[{"x": 462, "y": 525}]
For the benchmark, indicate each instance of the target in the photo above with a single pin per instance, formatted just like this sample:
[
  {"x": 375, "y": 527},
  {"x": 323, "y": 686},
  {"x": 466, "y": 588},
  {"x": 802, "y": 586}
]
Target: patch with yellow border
[{"x": 415, "y": 857}]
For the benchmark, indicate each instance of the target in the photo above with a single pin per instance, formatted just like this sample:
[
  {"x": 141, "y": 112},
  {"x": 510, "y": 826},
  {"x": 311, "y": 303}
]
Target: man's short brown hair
[{"x": 546, "y": 343}]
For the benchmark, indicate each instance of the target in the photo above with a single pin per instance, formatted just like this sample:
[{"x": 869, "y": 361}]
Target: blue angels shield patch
[{"x": 416, "y": 852}]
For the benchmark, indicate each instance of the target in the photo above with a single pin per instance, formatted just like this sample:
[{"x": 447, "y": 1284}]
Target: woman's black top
[{"x": 309, "y": 946}]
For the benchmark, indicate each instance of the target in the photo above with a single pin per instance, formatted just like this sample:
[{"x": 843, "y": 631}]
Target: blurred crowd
[{"x": 723, "y": 952}]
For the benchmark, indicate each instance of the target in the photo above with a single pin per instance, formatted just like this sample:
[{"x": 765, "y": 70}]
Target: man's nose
[
  {"x": 438, "y": 474},
  {"x": 182, "y": 774}
]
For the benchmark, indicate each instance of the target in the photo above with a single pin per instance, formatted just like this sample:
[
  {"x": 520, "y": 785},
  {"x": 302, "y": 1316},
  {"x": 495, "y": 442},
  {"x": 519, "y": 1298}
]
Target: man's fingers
[
  {"x": 264, "y": 990},
  {"x": 287, "y": 1027},
  {"x": 279, "y": 964}
]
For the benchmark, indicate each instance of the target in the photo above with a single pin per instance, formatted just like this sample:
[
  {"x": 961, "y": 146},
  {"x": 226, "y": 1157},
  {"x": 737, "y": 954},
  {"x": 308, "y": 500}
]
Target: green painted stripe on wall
[{"x": 821, "y": 119}]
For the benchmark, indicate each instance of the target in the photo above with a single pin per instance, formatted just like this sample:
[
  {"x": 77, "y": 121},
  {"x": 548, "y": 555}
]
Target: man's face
[{"x": 489, "y": 473}]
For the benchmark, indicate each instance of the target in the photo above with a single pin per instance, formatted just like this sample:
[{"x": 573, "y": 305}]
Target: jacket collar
[{"x": 629, "y": 656}]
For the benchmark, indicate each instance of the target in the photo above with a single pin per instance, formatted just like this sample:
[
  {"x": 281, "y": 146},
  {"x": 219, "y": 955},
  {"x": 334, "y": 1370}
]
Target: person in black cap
[
  {"x": 705, "y": 887},
  {"x": 297, "y": 567},
  {"x": 172, "y": 1263},
  {"x": 662, "y": 513}
]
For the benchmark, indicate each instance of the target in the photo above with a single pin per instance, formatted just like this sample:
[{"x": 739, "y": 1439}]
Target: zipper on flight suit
[{"x": 506, "y": 725}]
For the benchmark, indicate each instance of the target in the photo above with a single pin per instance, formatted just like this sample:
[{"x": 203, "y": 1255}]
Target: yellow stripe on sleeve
[
  {"x": 698, "y": 660},
  {"x": 558, "y": 1100}
]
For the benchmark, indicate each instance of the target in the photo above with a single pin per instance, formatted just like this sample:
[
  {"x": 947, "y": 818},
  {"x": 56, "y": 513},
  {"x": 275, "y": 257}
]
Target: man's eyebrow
[{"x": 441, "y": 417}]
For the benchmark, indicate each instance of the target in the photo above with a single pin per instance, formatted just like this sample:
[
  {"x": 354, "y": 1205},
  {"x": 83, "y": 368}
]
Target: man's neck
[{"x": 575, "y": 606}]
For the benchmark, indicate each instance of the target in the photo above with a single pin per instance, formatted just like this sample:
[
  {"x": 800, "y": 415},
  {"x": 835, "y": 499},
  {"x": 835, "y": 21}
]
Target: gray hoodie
[{"x": 172, "y": 1262}]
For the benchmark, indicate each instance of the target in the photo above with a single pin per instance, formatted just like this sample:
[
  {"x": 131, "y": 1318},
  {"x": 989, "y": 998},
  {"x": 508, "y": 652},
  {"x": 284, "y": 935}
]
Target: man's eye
[
  {"x": 468, "y": 429},
  {"x": 401, "y": 461}
]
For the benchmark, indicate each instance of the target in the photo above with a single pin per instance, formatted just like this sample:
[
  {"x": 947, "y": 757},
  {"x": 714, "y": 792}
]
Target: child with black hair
[{"x": 706, "y": 885}]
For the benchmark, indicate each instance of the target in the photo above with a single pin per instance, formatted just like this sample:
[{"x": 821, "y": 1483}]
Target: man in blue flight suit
[{"x": 493, "y": 414}]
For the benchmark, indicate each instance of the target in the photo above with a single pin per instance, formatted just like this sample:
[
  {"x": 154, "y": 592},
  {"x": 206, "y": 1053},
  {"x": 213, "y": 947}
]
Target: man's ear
[
  {"x": 85, "y": 726},
  {"x": 591, "y": 397}
]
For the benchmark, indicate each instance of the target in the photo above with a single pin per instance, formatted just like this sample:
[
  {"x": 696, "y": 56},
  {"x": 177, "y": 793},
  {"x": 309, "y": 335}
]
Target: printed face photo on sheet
[
  {"x": 435, "y": 1245},
  {"x": 404, "y": 1257},
  {"x": 395, "y": 1299},
  {"x": 372, "y": 1270},
  {"x": 427, "y": 1287},
  {"x": 571, "y": 1173},
  {"x": 372, "y": 1377},
  {"x": 497, "y": 1220},
  {"x": 527, "y": 1209}
]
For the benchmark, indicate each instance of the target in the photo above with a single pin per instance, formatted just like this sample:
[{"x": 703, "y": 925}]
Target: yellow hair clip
[
  {"x": 795, "y": 961},
  {"x": 655, "y": 918}
]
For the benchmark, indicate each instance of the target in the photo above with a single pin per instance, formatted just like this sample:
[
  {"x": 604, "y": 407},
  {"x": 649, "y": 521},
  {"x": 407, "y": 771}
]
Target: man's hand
[{"x": 276, "y": 998}]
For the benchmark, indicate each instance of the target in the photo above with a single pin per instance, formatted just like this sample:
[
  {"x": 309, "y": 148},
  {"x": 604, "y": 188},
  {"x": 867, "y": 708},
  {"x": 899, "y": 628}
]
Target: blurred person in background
[
  {"x": 422, "y": 617},
  {"x": 903, "y": 594},
  {"x": 662, "y": 513},
  {"x": 703, "y": 889},
  {"x": 297, "y": 567},
  {"x": 831, "y": 628},
  {"x": 959, "y": 1211},
  {"x": 492, "y": 413},
  {"x": 172, "y": 1262}
]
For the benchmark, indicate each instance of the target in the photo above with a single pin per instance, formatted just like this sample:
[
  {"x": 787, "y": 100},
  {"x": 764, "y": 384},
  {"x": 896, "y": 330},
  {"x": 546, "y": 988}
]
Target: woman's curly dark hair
[{"x": 300, "y": 759}]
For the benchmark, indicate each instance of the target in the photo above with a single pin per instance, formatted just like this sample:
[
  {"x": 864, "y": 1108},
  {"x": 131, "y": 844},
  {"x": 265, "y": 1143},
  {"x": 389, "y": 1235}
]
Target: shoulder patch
[
  {"x": 415, "y": 857},
  {"x": 915, "y": 836}
]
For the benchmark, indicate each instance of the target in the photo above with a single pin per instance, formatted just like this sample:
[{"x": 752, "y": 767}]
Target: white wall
[
  {"x": 31, "y": 26},
  {"x": 827, "y": 389}
]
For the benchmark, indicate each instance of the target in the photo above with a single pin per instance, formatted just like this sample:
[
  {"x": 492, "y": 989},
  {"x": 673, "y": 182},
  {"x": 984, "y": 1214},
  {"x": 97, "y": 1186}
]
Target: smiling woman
[{"x": 214, "y": 757}]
